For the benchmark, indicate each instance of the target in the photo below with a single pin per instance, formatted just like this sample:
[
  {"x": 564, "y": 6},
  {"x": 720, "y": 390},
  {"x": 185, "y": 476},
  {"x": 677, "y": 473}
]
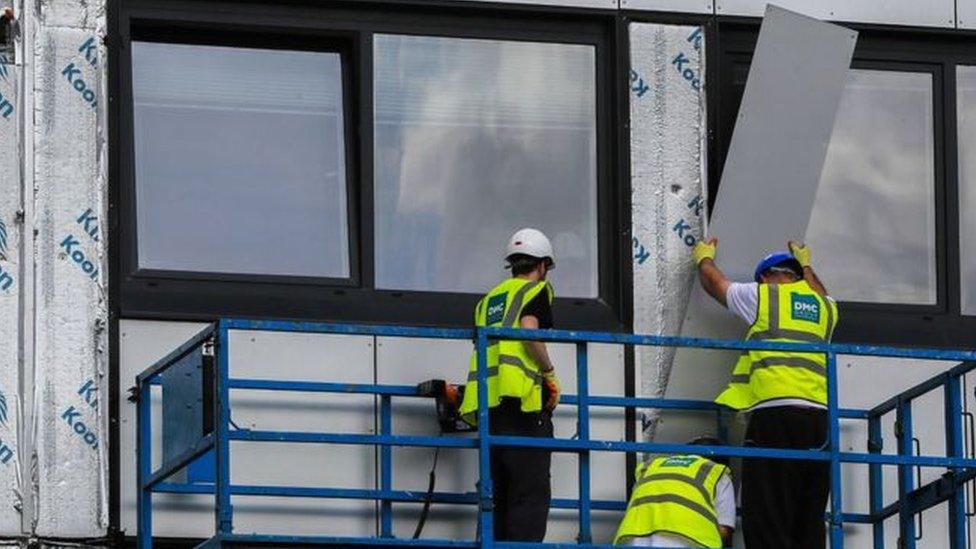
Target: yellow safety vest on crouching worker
[
  {"x": 512, "y": 372},
  {"x": 792, "y": 313},
  {"x": 674, "y": 495}
]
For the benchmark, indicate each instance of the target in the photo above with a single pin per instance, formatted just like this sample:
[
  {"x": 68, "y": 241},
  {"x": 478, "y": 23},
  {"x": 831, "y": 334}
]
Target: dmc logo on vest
[
  {"x": 678, "y": 461},
  {"x": 496, "y": 308},
  {"x": 805, "y": 307}
]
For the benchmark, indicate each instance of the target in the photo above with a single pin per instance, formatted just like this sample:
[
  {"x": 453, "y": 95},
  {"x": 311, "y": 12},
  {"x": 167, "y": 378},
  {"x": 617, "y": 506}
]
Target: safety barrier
[{"x": 911, "y": 499}]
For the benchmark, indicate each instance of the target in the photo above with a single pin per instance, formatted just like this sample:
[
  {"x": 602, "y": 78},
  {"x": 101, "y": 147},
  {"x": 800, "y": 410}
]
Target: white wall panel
[
  {"x": 683, "y": 6},
  {"x": 404, "y": 361},
  {"x": 261, "y": 355},
  {"x": 966, "y": 14},
  {"x": 866, "y": 382},
  {"x": 407, "y": 362},
  {"x": 930, "y": 13},
  {"x": 349, "y": 359},
  {"x": 140, "y": 344}
]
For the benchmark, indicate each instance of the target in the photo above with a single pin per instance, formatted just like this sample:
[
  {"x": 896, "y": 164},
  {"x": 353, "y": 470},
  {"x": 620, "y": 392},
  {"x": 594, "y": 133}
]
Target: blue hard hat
[{"x": 779, "y": 259}]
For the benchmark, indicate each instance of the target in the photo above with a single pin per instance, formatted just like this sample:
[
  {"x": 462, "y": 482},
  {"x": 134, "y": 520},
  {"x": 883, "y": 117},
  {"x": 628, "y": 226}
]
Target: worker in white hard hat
[{"x": 522, "y": 388}]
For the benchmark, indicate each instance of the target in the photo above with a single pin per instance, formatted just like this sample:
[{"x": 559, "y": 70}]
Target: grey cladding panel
[
  {"x": 780, "y": 138},
  {"x": 768, "y": 188}
]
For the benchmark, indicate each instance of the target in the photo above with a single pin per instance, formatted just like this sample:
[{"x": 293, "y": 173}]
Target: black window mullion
[{"x": 366, "y": 183}]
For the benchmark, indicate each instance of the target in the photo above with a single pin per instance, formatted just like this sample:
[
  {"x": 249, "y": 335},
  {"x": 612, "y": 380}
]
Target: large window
[
  {"x": 361, "y": 164},
  {"x": 473, "y": 140},
  {"x": 966, "y": 124},
  {"x": 240, "y": 163},
  {"x": 873, "y": 223}
]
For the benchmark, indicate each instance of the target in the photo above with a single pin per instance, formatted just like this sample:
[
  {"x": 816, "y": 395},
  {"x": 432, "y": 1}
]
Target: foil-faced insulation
[
  {"x": 70, "y": 430},
  {"x": 11, "y": 266},
  {"x": 667, "y": 131},
  {"x": 53, "y": 341}
]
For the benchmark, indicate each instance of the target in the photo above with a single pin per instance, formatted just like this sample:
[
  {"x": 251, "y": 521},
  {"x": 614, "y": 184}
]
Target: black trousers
[
  {"x": 783, "y": 501},
  {"x": 520, "y": 475}
]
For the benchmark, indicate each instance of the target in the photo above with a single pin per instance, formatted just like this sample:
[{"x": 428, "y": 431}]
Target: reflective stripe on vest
[
  {"x": 675, "y": 499},
  {"x": 511, "y": 370},
  {"x": 760, "y": 376},
  {"x": 510, "y": 361}
]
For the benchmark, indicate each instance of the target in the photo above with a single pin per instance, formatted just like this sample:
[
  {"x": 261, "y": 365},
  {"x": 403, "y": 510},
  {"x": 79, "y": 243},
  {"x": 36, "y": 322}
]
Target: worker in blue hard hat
[{"x": 784, "y": 393}]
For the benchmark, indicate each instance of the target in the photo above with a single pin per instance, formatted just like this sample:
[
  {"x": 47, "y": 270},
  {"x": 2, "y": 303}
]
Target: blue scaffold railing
[{"x": 911, "y": 499}]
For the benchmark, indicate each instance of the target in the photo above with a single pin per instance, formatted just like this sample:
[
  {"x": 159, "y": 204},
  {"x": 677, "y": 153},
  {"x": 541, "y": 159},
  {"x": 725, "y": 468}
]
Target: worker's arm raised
[
  {"x": 711, "y": 277},
  {"x": 802, "y": 254}
]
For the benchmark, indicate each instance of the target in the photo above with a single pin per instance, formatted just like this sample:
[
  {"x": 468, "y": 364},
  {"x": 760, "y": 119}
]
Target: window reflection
[
  {"x": 966, "y": 105},
  {"x": 473, "y": 140},
  {"x": 240, "y": 162},
  {"x": 873, "y": 223}
]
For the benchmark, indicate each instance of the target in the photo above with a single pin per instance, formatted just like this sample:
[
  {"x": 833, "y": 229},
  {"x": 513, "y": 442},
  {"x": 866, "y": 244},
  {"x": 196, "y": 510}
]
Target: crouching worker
[{"x": 680, "y": 501}]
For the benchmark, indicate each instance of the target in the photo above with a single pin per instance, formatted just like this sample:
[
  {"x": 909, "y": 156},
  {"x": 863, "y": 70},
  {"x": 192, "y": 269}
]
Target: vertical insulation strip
[
  {"x": 71, "y": 278},
  {"x": 11, "y": 265},
  {"x": 668, "y": 131}
]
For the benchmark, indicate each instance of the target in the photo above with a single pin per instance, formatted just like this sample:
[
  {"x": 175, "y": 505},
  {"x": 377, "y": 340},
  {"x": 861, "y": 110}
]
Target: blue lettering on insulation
[
  {"x": 72, "y": 249},
  {"x": 90, "y": 49},
  {"x": 637, "y": 84},
  {"x": 89, "y": 222},
  {"x": 682, "y": 64},
  {"x": 6, "y": 107},
  {"x": 680, "y": 227},
  {"x": 72, "y": 416},
  {"x": 6, "y": 454},
  {"x": 88, "y": 393},
  {"x": 696, "y": 38},
  {"x": 73, "y": 75},
  {"x": 640, "y": 253},
  {"x": 6, "y": 280}
]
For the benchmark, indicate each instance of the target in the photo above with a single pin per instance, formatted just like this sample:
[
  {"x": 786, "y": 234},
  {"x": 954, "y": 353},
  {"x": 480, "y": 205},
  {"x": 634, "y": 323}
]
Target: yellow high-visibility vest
[
  {"x": 787, "y": 313},
  {"x": 512, "y": 372},
  {"x": 674, "y": 495}
]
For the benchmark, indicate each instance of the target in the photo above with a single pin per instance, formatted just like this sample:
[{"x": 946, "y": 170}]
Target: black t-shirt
[{"x": 540, "y": 308}]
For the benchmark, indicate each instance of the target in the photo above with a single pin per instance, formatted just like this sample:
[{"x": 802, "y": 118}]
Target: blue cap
[{"x": 779, "y": 259}]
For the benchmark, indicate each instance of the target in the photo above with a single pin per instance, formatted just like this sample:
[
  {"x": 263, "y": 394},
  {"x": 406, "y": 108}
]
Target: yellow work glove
[
  {"x": 801, "y": 252},
  {"x": 551, "y": 385},
  {"x": 704, "y": 249}
]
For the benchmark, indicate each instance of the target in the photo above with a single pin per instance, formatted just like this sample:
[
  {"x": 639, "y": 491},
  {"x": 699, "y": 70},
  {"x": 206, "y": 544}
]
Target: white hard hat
[{"x": 530, "y": 242}]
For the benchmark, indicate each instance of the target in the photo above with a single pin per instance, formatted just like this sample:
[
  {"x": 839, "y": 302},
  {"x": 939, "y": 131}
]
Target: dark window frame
[{"x": 195, "y": 296}]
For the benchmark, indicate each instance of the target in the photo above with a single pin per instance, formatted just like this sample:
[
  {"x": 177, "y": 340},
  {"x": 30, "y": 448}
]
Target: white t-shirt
[
  {"x": 724, "y": 508},
  {"x": 742, "y": 299}
]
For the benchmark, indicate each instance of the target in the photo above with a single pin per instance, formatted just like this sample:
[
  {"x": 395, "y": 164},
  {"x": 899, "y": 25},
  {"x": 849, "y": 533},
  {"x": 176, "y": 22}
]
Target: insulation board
[
  {"x": 668, "y": 130},
  {"x": 11, "y": 265},
  {"x": 69, "y": 424}
]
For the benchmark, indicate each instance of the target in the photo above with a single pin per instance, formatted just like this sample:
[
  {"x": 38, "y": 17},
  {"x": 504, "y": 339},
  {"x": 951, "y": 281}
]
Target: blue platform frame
[{"x": 911, "y": 499}]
